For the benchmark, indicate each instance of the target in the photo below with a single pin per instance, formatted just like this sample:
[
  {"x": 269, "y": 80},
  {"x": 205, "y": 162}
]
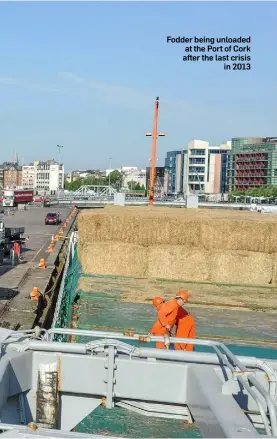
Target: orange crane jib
[{"x": 154, "y": 153}]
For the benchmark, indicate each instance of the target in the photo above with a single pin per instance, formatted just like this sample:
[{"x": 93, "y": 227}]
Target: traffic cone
[
  {"x": 34, "y": 294},
  {"x": 42, "y": 264},
  {"x": 56, "y": 238},
  {"x": 50, "y": 249},
  {"x": 53, "y": 240}
]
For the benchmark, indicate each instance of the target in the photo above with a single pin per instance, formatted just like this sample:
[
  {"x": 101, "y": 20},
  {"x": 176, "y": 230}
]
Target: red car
[{"x": 53, "y": 218}]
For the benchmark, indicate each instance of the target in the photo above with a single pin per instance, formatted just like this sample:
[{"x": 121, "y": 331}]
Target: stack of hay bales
[{"x": 197, "y": 246}]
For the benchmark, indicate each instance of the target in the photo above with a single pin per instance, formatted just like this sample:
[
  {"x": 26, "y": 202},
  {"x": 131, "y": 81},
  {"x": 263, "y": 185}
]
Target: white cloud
[
  {"x": 121, "y": 94},
  {"x": 110, "y": 92},
  {"x": 25, "y": 84},
  {"x": 8, "y": 81}
]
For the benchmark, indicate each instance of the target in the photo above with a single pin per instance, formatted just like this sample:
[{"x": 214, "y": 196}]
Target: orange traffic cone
[
  {"x": 42, "y": 264},
  {"x": 50, "y": 249},
  {"x": 56, "y": 238},
  {"x": 34, "y": 294},
  {"x": 52, "y": 239}
]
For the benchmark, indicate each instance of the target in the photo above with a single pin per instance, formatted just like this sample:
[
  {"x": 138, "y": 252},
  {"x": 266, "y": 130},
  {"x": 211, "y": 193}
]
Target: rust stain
[
  {"x": 144, "y": 339},
  {"x": 32, "y": 426},
  {"x": 59, "y": 374},
  {"x": 129, "y": 333}
]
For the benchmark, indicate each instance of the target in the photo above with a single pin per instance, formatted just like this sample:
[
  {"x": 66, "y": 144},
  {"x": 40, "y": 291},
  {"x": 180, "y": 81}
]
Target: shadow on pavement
[{"x": 7, "y": 293}]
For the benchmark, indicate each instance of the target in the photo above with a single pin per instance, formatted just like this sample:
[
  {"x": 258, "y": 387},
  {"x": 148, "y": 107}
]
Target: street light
[
  {"x": 59, "y": 148},
  {"x": 110, "y": 167},
  {"x": 154, "y": 134}
]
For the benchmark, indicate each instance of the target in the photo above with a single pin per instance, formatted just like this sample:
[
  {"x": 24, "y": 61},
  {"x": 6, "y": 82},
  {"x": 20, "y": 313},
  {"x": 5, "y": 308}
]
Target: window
[
  {"x": 198, "y": 161},
  {"x": 198, "y": 151}
]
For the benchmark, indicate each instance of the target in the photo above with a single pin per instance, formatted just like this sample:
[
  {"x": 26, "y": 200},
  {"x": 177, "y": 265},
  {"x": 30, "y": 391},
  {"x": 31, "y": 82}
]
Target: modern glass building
[
  {"x": 175, "y": 168},
  {"x": 252, "y": 162}
]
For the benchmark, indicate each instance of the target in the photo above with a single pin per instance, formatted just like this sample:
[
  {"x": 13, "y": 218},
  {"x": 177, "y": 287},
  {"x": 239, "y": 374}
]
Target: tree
[
  {"x": 257, "y": 192},
  {"x": 134, "y": 186},
  {"x": 115, "y": 177}
]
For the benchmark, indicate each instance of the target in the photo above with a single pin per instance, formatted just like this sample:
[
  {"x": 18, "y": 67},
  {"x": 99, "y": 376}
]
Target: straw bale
[
  {"x": 240, "y": 267},
  {"x": 176, "y": 262},
  {"x": 194, "y": 245},
  {"x": 199, "y": 229},
  {"x": 274, "y": 269},
  {"x": 114, "y": 258}
]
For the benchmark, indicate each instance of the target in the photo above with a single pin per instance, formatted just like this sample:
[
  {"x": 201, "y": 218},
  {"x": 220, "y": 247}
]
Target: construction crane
[
  {"x": 201, "y": 191},
  {"x": 154, "y": 136}
]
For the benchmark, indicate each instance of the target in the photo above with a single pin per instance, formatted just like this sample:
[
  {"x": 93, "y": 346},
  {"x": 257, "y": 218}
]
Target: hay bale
[
  {"x": 237, "y": 267},
  {"x": 194, "y": 245},
  {"x": 113, "y": 258},
  {"x": 244, "y": 235},
  {"x": 176, "y": 262},
  {"x": 274, "y": 269},
  {"x": 186, "y": 228}
]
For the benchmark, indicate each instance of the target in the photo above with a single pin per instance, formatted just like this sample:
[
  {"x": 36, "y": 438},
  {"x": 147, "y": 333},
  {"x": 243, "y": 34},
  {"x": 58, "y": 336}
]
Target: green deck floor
[{"x": 120, "y": 422}]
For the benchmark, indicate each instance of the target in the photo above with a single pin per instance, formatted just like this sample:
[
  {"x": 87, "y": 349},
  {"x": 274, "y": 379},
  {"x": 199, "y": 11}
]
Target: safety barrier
[
  {"x": 242, "y": 372},
  {"x": 69, "y": 282}
]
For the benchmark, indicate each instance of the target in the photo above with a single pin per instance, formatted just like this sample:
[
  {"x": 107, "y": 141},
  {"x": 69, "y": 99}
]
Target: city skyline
[{"x": 90, "y": 84}]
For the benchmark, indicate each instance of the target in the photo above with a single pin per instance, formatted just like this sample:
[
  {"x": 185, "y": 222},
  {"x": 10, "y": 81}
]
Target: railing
[
  {"x": 105, "y": 340},
  {"x": 69, "y": 258}
]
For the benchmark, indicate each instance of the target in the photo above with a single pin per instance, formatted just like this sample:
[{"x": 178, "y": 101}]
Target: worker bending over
[
  {"x": 185, "y": 328},
  {"x": 185, "y": 325},
  {"x": 167, "y": 315}
]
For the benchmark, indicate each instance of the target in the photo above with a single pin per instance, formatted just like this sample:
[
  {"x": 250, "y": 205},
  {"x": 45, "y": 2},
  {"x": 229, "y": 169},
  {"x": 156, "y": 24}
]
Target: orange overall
[
  {"x": 185, "y": 329},
  {"x": 167, "y": 314}
]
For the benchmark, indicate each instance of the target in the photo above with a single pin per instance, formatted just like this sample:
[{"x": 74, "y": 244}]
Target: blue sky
[{"x": 85, "y": 75}]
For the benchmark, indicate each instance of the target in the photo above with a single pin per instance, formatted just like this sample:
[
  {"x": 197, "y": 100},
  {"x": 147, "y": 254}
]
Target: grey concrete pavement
[
  {"x": 17, "y": 282},
  {"x": 39, "y": 234}
]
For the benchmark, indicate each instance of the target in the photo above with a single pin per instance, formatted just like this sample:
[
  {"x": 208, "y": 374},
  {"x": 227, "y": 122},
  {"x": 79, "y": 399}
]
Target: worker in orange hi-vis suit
[
  {"x": 158, "y": 302},
  {"x": 185, "y": 328},
  {"x": 167, "y": 316}
]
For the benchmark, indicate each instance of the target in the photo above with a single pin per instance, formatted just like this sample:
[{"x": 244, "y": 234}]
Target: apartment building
[
  {"x": 252, "y": 162},
  {"x": 76, "y": 175},
  {"x": 29, "y": 176},
  {"x": 43, "y": 176},
  {"x": 137, "y": 176},
  {"x": 200, "y": 168},
  {"x": 10, "y": 175},
  {"x": 206, "y": 167}
]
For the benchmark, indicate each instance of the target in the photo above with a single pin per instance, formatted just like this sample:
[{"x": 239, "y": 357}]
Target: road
[
  {"x": 16, "y": 283},
  {"x": 39, "y": 234}
]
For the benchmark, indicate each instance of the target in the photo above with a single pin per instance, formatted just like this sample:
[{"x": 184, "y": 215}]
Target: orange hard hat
[
  {"x": 157, "y": 301},
  {"x": 182, "y": 294}
]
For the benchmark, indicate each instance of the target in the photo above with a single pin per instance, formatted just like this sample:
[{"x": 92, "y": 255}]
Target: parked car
[{"x": 53, "y": 218}]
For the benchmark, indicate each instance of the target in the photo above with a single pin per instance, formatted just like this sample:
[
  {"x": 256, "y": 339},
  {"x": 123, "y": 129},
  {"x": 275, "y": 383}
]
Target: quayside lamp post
[
  {"x": 154, "y": 136},
  {"x": 110, "y": 166},
  {"x": 59, "y": 148}
]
